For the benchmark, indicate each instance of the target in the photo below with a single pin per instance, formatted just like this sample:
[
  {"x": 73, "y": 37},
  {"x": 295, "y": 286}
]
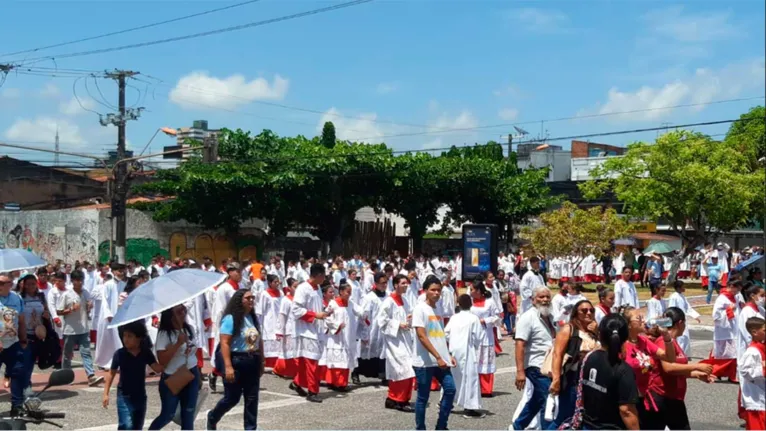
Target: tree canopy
[
  {"x": 318, "y": 185},
  {"x": 698, "y": 185}
]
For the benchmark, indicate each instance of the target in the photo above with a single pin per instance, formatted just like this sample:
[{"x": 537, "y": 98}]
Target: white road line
[{"x": 280, "y": 394}]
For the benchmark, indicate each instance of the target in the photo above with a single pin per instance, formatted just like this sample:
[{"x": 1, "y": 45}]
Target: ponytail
[{"x": 613, "y": 332}]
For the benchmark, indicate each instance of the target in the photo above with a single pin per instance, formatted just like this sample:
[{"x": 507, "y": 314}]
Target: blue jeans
[
  {"x": 13, "y": 358},
  {"x": 188, "y": 399},
  {"x": 131, "y": 411},
  {"x": 710, "y": 286},
  {"x": 567, "y": 400},
  {"x": 536, "y": 403},
  {"x": 83, "y": 340},
  {"x": 247, "y": 382},
  {"x": 509, "y": 320},
  {"x": 424, "y": 375}
]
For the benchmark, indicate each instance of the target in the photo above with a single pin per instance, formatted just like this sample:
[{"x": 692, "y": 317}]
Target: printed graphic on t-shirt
[
  {"x": 434, "y": 327},
  {"x": 251, "y": 339},
  {"x": 9, "y": 323}
]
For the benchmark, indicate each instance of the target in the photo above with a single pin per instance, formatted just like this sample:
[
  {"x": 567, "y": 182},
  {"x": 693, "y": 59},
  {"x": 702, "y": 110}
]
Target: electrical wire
[
  {"x": 142, "y": 27},
  {"x": 102, "y": 103},
  {"x": 77, "y": 98},
  {"x": 110, "y": 105},
  {"x": 205, "y": 33}
]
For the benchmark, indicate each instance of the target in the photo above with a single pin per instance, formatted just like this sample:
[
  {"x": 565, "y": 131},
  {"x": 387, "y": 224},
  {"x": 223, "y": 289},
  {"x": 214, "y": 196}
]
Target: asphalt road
[{"x": 710, "y": 406}]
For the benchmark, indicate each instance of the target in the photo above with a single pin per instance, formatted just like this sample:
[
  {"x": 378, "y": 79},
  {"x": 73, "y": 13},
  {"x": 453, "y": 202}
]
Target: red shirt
[
  {"x": 668, "y": 385},
  {"x": 640, "y": 357}
]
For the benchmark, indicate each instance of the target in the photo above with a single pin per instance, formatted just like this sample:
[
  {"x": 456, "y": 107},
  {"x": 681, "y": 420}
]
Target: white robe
[
  {"x": 398, "y": 342},
  {"x": 196, "y": 314},
  {"x": 529, "y": 282},
  {"x": 464, "y": 334},
  {"x": 743, "y": 337},
  {"x": 724, "y": 330},
  {"x": 680, "y": 301},
  {"x": 286, "y": 328},
  {"x": 448, "y": 301},
  {"x": 267, "y": 310},
  {"x": 370, "y": 337},
  {"x": 341, "y": 351},
  {"x": 307, "y": 299},
  {"x": 655, "y": 308},
  {"x": 221, "y": 298},
  {"x": 108, "y": 340},
  {"x": 487, "y": 311}
]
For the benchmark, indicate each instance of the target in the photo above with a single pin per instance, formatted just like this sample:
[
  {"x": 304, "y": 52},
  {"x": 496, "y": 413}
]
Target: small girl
[{"x": 131, "y": 361}]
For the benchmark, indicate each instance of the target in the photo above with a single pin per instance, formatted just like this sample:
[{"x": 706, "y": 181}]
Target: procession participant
[
  {"x": 328, "y": 294},
  {"x": 486, "y": 310},
  {"x": 605, "y": 302},
  {"x": 724, "y": 354},
  {"x": 108, "y": 340},
  {"x": 529, "y": 282},
  {"x": 372, "y": 360},
  {"x": 241, "y": 360},
  {"x": 73, "y": 307},
  {"x": 13, "y": 339},
  {"x": 656, "y": 305},
  {"x": 394, "y": 317},
  {"x": 489, "y": 283},
  {"x": 464, "y": 334},
  {"x": 677, "y": 299},
  {"x": 368, "y": 282},
  {"x": 753, "y": 296},
  {"x": 267, "y": 310},
  {"x": 286, "y": 366},
  {"x": 389, "y": 270},
  {"x": 339, "y": 273},
  {"x": 357, "y": 296},
  {"x": 307, "y": 309},
  {"x": 414, "y": 287},
  {"x": 534, "y": 337},
  {"x": 448, "y": 296},
  {"x": 52, "y": 297},
  {"x": 341, "y": 341},
  {"x": 260, "y": 284},
  {"x": 198, "y": 315},
  {"x": 752, "y": 372},
  {"x": 429, "y": 356},
  {"x": 44, "y": 347},
  {"x": 559, "y": 310},
  {"x": 625, "y": 293},
  {"x": 177, "y": 353},
  {"x": 223, "y": 294}
]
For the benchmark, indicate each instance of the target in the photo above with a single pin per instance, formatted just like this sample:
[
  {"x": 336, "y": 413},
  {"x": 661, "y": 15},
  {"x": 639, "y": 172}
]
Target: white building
[{"x": 199, "y": 131}]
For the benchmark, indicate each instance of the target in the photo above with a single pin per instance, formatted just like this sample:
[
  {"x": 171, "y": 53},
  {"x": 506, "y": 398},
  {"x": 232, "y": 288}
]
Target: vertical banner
[{"x": 479, "y": 250}]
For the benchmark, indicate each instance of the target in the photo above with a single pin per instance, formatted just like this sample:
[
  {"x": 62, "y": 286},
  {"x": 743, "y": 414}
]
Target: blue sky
[{"x": 389, "y": 68}]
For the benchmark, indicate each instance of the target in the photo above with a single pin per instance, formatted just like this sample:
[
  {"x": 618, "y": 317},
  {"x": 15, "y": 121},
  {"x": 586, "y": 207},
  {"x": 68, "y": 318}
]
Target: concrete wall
[{"x": 68, "y": 235}]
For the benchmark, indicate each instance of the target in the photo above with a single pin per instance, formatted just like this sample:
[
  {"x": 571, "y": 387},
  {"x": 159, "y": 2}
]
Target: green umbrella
[{"x": 659, "y": 247}]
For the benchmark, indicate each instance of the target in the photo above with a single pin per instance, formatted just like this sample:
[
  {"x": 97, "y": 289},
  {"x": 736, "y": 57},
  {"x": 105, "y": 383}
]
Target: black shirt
[
  {"x": 132, "y": 370},
  {"x": 605, "y": 388}
]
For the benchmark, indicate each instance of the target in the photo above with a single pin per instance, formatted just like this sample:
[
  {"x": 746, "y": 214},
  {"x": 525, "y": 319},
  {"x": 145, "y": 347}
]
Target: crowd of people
[{"x": 402, "y": 321}]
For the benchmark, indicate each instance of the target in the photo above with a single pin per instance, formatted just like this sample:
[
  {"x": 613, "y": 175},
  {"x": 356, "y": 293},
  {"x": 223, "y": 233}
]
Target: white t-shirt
[
  {"x": 537, "y": 336},
  {"x": 423, "y": 316},
  {"x": 184, "y": 355}
]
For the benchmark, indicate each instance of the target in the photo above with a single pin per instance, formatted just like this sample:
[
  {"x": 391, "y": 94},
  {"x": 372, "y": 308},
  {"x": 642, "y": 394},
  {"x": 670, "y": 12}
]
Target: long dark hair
[
  {"x": 166, "y": 323},
  {"x": 237, "y": 311},
  {"x": 478, "y": 284},
  {"x": 130, "y": 286},
  {"x": 612, "y": 333}
]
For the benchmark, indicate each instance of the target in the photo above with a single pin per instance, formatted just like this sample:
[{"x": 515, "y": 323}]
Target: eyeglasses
[{"x": 587, "y": 311}]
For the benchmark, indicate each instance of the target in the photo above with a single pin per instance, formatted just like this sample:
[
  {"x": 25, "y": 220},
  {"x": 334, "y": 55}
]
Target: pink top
[{"x": 640, "y": 357}]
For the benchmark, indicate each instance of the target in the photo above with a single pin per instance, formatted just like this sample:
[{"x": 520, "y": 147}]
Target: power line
[
  {"x": 205, "y": 33},
  {"x": 142, "y": 27}
]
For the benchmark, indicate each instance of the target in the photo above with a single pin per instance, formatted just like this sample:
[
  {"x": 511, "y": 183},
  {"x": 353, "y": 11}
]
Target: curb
[{"x": 707, "y": 328}]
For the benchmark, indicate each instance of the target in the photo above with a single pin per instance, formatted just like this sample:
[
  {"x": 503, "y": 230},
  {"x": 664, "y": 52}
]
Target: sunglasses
[{"x": 586, "y": 311}]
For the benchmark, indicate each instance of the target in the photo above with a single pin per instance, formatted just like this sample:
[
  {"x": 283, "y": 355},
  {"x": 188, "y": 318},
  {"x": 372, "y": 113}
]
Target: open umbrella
[
  {"x": 748, "y": 262},
  {"x": 16, "y": 259},
  {"x": 162, "y": 293},
  {"x": 660, "y": 247}
]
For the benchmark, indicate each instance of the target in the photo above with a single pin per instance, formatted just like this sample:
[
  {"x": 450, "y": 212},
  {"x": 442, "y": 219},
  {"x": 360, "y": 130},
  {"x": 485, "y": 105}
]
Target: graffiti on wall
[
  {"x": 72, "y": 242},
  {"x": 181, "y": 245}
]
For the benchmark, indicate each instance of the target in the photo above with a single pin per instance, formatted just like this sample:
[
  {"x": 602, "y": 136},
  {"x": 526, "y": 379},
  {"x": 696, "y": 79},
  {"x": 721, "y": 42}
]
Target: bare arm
[
  {"x": 559, "y": 348},
  {"x": 226, "y": 355},
  {"x": 629, "y": 416},
  {"x": 521, "y": 377},
  {"x": 108, "y": 387}
]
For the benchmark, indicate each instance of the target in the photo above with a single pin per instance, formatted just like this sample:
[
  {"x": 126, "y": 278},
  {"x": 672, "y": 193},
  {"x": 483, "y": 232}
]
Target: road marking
[{"x": 280, "y": 394}]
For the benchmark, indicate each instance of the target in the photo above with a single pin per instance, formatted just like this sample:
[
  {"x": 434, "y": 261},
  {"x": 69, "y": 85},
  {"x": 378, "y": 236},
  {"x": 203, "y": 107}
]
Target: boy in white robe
[
  {"x": 372, "y": 360},
  {"x": 753, "y": 375},
  {"x": 108, "y": 340},
  {"x": 341, "y": 340},
  {"x": 677, "y": 299},
  {"x": 267, "y": 310},
  {"x": 286, "y": 366},
  {"x": 464, "y": 334},
  {"x": 394, "y": 317}
]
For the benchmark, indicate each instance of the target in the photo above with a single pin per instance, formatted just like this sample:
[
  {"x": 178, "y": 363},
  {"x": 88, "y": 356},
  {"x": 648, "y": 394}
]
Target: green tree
[
  {"x": 698, "y": 185},
  {"x": 748, "y": 135},
  {"x": 328, "y": 135},
  {"x": 571, "y": 231}
]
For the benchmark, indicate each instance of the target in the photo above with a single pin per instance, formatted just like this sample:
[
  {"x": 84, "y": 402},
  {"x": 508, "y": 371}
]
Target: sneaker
[
  {"x": 299, "y": 390},
  {"x": 212, "y": 379},
  {"x": 390, "y": 404},
  {"x": 94, "y": 380},
  {"x": 17, "y": 411},
  {"x": 355, "y": 379},
  {"x": 474, "y": 414},
  {"x": 405, "y": 407},
  {"x": 313, "y": 398},
  {"x": 340, "y": 389},
  {"x": 210, "y": 425}
]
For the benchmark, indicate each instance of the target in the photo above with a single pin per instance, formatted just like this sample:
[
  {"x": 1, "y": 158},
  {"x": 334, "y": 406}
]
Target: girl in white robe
[
  {"x": 724, "y": 352},
  {"x": 267, "y": 310},
  {"x": 656, "y": 305},
  {"x": 754, "y": 303},
  {"x": 605, "y": 303},
  {"x": 464, "y": 334},
  {"x": 341, "y": 339},
  {"x": 677, "y": 299},
  {"x": 328, "y": 294},
  {"x": 486, "y": 310},
  {"x": 286, "y": 366},
  {"x": 394, "y": 318}
]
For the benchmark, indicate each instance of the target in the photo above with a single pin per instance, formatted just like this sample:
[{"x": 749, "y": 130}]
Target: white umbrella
[
  {"x": 162, "y": 293},
  {"x": 16, "y": 259}
]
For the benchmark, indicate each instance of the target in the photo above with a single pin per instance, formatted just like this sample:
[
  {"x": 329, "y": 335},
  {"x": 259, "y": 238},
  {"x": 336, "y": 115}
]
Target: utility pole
[
  {"x": 119, "y": 193},
  {"x": 56, "y": 157}
]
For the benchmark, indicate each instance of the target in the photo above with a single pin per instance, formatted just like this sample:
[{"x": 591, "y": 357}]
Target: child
[
  {"x": 131, "y": 360},
  {"x": 72, "y": 306},
  {"x": 752, "y": 369},
  {"x": 464, "y": 334},
  {"x": 341, "y": 339}
]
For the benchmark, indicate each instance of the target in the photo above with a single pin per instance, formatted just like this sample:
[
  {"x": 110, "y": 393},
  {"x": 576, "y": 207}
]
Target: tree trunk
[{"x": 417, "y": 232}]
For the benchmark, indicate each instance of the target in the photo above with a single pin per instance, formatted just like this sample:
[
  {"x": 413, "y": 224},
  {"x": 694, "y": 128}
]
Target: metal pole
[{"x": 121, "y": 173}]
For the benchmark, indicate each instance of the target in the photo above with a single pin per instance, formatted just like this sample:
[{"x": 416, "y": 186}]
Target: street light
[{"x": 166, "y": 130}]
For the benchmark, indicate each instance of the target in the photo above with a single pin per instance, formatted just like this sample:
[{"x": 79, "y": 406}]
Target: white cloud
[
  {"x": 200, "y": 90},
  {"x": 673, "y": 23},
  {"x": 508, "y": 114},
  {"x": 50, "y": 91},
  {"x": 10, "y": 93},
  {"x": 353, "y": 128},
  {"x": 703, "y": 86},
  {"x": 72, "y": 106},
  {"x": 387, "y": 87},
  {"x": 539, "y": 20},
  {"x": 464, "y": 120},
  {"x": 43, "y": 129}
]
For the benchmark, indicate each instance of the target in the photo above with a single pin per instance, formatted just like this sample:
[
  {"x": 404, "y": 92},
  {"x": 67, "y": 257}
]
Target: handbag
[
  {"x": 177, "y": 381},
  {"x": 575, "y": 422}
]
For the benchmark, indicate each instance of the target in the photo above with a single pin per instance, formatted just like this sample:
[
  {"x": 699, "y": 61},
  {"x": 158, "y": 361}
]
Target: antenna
[{"x": 56, "y": 156}]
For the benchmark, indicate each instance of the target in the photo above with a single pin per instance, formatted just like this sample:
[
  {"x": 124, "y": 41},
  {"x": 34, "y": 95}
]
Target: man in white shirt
[
  {"x": 529, "y": 282},
  {"x": 534, "y": 337},
  {"x": 625, "y": 293}
]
